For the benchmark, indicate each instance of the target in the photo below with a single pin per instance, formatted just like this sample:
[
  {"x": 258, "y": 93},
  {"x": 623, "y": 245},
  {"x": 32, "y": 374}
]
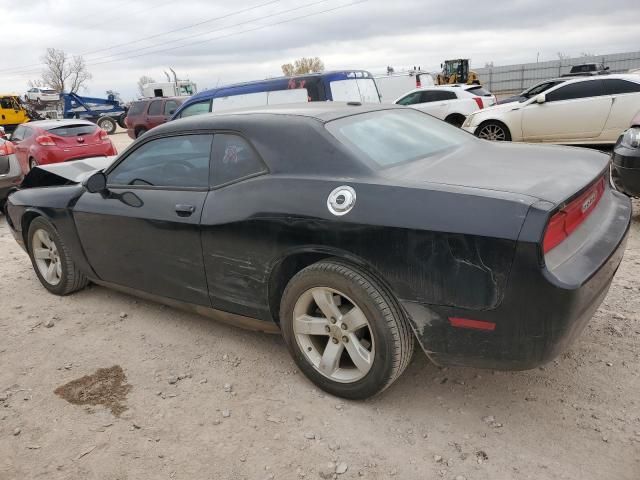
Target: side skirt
[{"x": 246, "y": 323}]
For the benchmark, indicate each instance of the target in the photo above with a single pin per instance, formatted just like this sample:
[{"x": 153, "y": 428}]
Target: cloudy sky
[{"x": 215, "y": 42}]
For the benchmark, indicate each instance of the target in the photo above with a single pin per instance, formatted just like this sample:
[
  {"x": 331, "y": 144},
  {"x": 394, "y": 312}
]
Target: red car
[{"x": 55, "y": 141}]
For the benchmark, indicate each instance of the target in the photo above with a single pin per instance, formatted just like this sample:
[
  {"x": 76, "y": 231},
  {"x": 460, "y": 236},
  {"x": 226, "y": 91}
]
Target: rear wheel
[
  {"x": 494, "y": 131},
  {"x": 121, "y": 120},
  {"x": 344, "y": 330},
  {"x": 32, "y": 163},
  {"x": 140, "y": 131},
  {"x": 51, "y": 260},
  {"x": 108, "y": 124}
]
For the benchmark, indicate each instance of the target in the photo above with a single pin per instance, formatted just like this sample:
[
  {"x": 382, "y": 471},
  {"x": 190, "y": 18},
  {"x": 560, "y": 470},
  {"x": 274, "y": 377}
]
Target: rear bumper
[
  {"x": 543, "y": 310},
  {"x": 58, "y": 155},
  {"x": 626, "y": 166}
]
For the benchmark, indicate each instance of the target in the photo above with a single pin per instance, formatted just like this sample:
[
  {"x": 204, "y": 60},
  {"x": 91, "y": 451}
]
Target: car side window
[
  {"x": 155, "y": 107},
  {"x": 233, "y": 159},
  {"x": 428, "y": 97},
  {"x": 196, "y": 109},
  {"x": 170, "y": 107},
  {"x": 615, "y": 86},
  {"x": 439, "y": 96},
  {"x": 178, "y": 161},
  {"x": 572, "y": 91},
  {"x": 411, "y": 99}
]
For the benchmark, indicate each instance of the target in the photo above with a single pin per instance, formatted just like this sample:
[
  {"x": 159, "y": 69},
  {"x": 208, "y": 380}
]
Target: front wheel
[
  {"x": 344, "y": 330},
  {"x": 108, "y": 124},
  {"x": 494, "y": 131},
  {"x": 51, "y": 260}
]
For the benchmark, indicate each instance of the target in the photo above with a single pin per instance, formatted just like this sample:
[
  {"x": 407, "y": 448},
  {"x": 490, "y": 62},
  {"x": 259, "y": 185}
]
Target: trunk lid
[{"x": 544, "y": 172}]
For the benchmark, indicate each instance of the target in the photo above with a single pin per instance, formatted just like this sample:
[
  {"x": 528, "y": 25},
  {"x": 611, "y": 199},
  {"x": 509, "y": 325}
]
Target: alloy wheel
[
  {"x": 493, "y": 132},
  {"x": 47, "y": 258},
  {"x": 334, "y": 334}
]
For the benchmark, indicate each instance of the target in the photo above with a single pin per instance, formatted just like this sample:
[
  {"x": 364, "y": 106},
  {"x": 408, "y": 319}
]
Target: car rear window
[
  {"x": 73, "y": 130},
  {"x": 136, "y": 108},
  {"x": 479, "y": 91},
  {"x": 386, "y": 138},
  {"x": 49, "y": 91}
]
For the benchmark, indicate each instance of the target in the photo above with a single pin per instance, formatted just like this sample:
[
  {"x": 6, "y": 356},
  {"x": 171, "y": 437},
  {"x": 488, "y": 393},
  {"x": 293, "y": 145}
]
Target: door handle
[{"x": 185, "y": 210}]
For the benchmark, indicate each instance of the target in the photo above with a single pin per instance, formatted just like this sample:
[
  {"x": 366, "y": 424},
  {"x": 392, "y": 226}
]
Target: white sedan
[
  {"x": 41, "y": 95},
  {"x": 585, "y": 110},
  {"x": 451, "y": 103}
]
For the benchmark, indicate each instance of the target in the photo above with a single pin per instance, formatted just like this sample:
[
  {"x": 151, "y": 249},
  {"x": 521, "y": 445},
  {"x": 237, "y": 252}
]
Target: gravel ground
[{"x": 200, "y": 400}]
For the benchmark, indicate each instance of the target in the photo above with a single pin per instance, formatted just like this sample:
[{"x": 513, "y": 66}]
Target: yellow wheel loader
[{"x": 457, "y": 71}]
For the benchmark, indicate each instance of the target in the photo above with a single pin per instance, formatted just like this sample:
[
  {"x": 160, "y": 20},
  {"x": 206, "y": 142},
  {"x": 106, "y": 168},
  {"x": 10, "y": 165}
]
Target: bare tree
[
  {"x": 142, "y": 81},
  {"x": 63, "y": 72},
  {"x": 302, "y": 66},
  {"x": 37, "y": 83},
  {"x": 563, "y": 56}
]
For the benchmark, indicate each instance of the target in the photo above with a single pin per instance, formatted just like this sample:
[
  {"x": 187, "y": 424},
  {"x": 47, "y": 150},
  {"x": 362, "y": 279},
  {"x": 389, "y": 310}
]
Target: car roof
[
  {"x": 49, "y": 124},
  {"x": 621, "y": 76}
]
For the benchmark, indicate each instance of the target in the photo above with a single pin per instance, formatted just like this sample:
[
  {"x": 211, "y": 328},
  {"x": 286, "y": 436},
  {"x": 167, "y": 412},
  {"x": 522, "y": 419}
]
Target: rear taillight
[
  {"x": 7, "y": 148},
  {"x": 567, "y": 219},
  {"x": 479, "y": 102},
  {"x": 103, "y": 134},
  {"x": 45, "y": 141}
]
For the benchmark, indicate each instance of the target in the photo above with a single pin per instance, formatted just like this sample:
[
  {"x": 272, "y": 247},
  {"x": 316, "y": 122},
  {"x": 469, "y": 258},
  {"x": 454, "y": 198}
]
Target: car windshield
[
  {"x": 536, "y": 89},
  {"x": 386, "y": 138}
]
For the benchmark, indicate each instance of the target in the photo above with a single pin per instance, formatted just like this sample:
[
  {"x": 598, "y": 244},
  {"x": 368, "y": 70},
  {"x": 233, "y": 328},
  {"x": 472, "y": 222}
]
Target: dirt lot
[{"x": 203, "y": 400}]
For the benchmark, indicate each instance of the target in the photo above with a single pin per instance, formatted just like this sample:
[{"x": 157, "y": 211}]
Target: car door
[
  {"x": 170, "y": 107},
  {"x": 572, "y": 112},
  {"x": 231, "y": 244},
  {"x": 155, "y": 114},
  {"x": 144, "y": 232},
  {"x": 625, "y": 98}
]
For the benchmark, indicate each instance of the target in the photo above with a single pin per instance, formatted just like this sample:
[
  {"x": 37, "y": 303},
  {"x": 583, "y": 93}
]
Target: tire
[
  {"x": 32, "y": 163},
  {"x": 455, "y": 119},
  {"x": 383, "y": 344},
  {"x": 121, "y": 121},
  {"x": 493, "y": 130},
  {"x": 64, "y": 277},
  {"x": 108, "y": 124},
  {"x": 140, "y": 131}
]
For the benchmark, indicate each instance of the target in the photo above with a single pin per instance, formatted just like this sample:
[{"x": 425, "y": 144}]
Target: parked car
[
  {"x": 42, "y": 95},
  {"x": 449, "y": 103},
  {"x": 585, "y": 69},
  {"x": 582, "y": 110},
  {"x": 11, "y": 174},
  {"x": 145, "y": 114},
  {"x": 54, "y": 141},
  {"x": 491, "y": 255},
  {"x": 339, "y": 86},
  {"x": 533, "y": 91},
  {"x": 625, "y": 165}
]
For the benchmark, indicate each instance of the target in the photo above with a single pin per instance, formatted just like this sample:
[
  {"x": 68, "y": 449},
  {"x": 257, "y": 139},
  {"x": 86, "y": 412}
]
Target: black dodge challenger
[{"x": 353, "y": 230}]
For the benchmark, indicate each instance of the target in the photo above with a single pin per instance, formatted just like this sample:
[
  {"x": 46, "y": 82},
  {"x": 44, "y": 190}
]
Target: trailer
[
  {"x": 106, "y": 113},
  {"x": 178, "y": 88}
]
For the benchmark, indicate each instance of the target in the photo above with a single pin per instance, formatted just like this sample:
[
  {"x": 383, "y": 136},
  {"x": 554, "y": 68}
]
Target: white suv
[
  {"x": 585, "y": 110},
  {"x": 451, "y": 103}
]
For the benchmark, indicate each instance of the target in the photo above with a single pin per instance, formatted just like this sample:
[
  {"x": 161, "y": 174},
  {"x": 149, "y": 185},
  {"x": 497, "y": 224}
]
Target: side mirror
[
  {"x": 541, "y": 98},
  {"x": 96, "y": 183}
]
